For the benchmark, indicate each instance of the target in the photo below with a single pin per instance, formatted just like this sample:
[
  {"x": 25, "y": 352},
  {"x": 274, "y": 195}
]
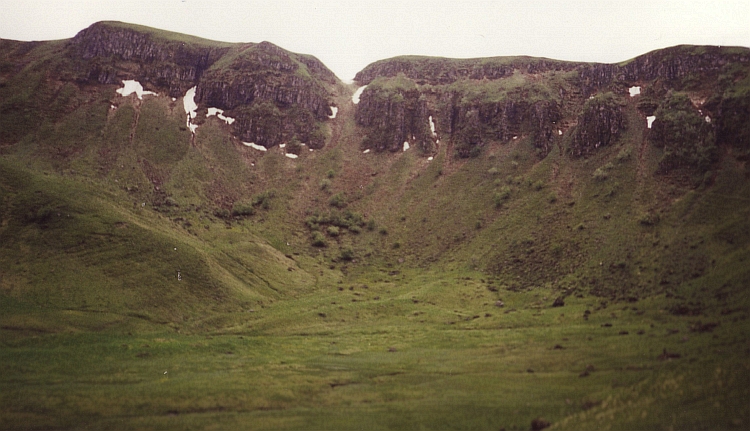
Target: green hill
[{"x": 539, "y": 255}]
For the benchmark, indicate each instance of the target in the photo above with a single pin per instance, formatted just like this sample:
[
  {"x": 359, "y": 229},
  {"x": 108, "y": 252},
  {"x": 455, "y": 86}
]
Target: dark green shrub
[
  {"x": 338, "y": 200},
  {"x": 223, "y": 213},
  {"x": 318, "y": 239},
  {"x": 294, "y": 147},
  {"x": 347, "y": 254},
  {"x": 242, "y": 209}
]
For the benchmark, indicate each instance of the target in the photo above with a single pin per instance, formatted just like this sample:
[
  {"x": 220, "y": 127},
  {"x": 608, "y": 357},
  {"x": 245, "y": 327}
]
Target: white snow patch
[
  {"x": 112, "y": 107},
  {"x": 650, "y": 120},
  {"x": 429, "y": 159},
  {"x": 282, "y": 145},
  {"x": 559, "y": 132},
  {"x": 365, "y": 151},
  {"x": 432, "y": 126},
  {"x": 131, "y": 86},
  {"x": 406, "y": 145},
  {"x": 634, "y": 91},
  {"x": 173, "y": 99},
  {"x": 311, "y": 150},
  {"x": 188, "y": 102},
  {"x": 220, "y": 115},
  {"x": 255, "y": 146},
  {"x": 357, "y": 94},
  {"x": 708, "y": 119},
  {"x": 291, "y": 156},
  {"x": 334, "y": 110},
  {"x": 515, "y": 137}
]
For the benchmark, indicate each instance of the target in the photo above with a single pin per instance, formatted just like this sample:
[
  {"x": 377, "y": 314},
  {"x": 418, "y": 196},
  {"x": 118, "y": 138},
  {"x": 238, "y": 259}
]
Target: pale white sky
[{"x": 348, "y": 35}]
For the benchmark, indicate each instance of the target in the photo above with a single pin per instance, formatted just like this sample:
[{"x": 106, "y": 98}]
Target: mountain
[{"x": 196, "y": 233}]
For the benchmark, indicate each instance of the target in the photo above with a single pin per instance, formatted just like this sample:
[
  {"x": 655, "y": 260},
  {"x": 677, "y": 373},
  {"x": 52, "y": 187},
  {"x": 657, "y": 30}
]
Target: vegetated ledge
[
  {"x": 668, "y": 63},
  {"x": 275, "y": 95}
]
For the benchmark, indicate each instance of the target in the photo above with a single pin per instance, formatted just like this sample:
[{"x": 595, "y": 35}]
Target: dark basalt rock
[
  {"x": 599, "y": 124},
  {"x": 393, "y": 118},
  {"x": 241, "y": 79},
  {"x": 553, "y": 95}
]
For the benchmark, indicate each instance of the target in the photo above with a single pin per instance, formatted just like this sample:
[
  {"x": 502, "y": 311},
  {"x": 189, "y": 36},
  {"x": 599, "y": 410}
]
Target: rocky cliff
[
  {"x": 237, "y": 78},
  {"x": 577, "y": 106}
]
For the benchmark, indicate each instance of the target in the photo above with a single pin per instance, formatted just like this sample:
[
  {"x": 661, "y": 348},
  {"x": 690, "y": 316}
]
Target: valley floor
[{"x": 395, "y": 354}]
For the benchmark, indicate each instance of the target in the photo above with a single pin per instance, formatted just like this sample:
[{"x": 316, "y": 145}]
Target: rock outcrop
[
  {"x": 476, "y": 101},
  {"x": 274, "y": 95},
  {"x": 116, "y": 51},
  {"x": 671, "y": 65},
  {"x": 470, "y": 113},
  {"x": 394, "y": 117},
  {"x": 599, "y": 124}
]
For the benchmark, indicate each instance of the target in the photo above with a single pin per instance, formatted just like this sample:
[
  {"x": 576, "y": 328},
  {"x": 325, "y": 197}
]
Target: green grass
[{"x": 382, "y": 364}]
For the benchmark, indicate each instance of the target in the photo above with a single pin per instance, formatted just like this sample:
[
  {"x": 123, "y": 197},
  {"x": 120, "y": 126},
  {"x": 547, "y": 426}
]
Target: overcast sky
[{"x": 348, "y": 35}]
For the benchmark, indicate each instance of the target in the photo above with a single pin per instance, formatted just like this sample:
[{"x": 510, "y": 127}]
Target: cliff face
[
  {"x": 469, "y": 113},
  {"x": 599, "y": 123},
  {"x": 237, "y": 78},
  {"x": 165, "y": 64},
  {"x": 394, "y": 117},
  {"x": 670, "y": 65},
  {"x": 577, "y": 106}
]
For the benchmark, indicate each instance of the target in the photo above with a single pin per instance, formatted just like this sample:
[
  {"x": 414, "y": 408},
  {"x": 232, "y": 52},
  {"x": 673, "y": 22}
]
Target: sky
[{"x": 348, "y": 35}]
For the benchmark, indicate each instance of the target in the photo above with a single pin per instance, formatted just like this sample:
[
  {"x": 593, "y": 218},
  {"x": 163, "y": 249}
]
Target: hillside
[{"x": 196, "y": 233}]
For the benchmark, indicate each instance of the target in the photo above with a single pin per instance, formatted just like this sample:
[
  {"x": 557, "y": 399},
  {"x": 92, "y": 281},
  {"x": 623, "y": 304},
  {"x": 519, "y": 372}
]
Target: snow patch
[
  {"x": 634, "y": 91},
  {"x": 131, "y": 86},
  {"x": 366, "y": 151},
  {"x": 357, "y": 94},
  {"x": 650, "y": 120},
  {"x": 255, "y": 146},
  {"x": 291, "y": 156},
  {"x": 559, "y": 132},
  {"x": 112, "y": 107},
  {"x": 429, "y": 159},
  {"x": 282, "y": 145},
  {"x": 334, "y": 110},
  {"x": 188, "y": 102},
  {"x": 220, "y": 115},
  {"x": 708, "y": 119},
  {"x": 406, "y": 145}
]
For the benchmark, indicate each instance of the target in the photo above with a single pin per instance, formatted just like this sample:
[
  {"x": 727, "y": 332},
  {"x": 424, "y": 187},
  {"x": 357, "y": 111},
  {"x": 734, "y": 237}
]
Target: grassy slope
[{"x": 267, "y": 331}]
